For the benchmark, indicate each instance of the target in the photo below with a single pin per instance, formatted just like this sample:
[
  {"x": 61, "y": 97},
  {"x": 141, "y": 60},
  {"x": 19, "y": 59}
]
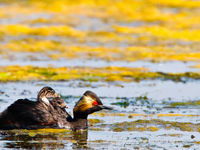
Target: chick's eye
[{"x": 95, "y": 103}]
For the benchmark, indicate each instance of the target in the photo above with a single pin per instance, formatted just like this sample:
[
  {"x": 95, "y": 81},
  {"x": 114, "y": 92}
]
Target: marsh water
[
  {"x": 125, "y": 127},
  {"x": 41, "y": 39}
]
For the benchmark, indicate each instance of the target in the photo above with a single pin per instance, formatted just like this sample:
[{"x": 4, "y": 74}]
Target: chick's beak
[
  {"x": 64, "y": 105},
  {"x": 56, "y": 95}
]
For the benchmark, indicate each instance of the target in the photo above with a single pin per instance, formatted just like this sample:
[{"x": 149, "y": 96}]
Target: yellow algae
[
  {"x": 32, "y": 134},
  {"x": 109, "y": 114},
  {"x": 187, "y": 103},
  {"x": 130, "y": 10},
  {"x": 39, "y": 131},
  {"x": 156, "y": 37},
  {"x": 96, "y": 129},
  {"x": 154, "y": 125},
  {"x": 176, "y": 115},
  {"x": 50, "y": 130},
  {"x": 98, "y": 141},
  {"x": 174, "y": 135},
  {"x": 94, "y": 121},
  {"x": 146, "y": 129},
  {"x": 60, "y": 30},
  {"x": 195, "y": 66},
  {"x": 151, "y": 30},
  {"x": 176, "y": 3},
  {"x": 132, "y": 115},
  {"x": 133, "y": 53},
  {"x": 143, "y": 115},
  {"x": 162, "y": 32},
  {"x": 126, "y": 74}
]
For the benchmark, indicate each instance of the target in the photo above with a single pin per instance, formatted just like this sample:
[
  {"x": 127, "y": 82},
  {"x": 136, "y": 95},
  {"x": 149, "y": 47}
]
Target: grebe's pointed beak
[{"x": 105, "y": 107}]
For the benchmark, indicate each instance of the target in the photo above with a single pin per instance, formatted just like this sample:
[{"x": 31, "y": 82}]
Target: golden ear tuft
[{"x": 85, "y": 103}]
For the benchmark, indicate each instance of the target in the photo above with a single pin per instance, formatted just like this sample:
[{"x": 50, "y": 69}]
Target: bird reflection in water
[{"x": 39, "y": 139}]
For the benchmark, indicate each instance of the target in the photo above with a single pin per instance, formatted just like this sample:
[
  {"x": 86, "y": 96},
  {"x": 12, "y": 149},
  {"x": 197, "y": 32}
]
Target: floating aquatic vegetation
[
  {"x": 94, "y": 121},
  {"x": 110, "y": 74},
  {"x": 187, "y": 103},
  {"x": 132, "y": 115},
  {"x": 159, "y": 33},
  {"x": 154, "y": 125},
  {"x": 131, "y": 53},
  {"x": 17, "y": 30},
  {"x": 141, "y": 101}
]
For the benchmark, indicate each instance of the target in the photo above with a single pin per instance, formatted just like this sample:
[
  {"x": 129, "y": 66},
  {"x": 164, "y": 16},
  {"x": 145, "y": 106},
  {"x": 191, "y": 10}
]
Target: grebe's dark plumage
[{"x": 26, "y": 114}]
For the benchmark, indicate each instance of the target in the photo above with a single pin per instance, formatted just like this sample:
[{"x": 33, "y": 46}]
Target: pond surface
[{"x": 124, "y": 127}]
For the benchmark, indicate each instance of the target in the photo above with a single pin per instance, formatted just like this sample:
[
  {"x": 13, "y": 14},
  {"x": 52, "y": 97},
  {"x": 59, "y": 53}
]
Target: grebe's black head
[
  {"x": 45, "y": 94},
  {"x": 88, "y": 104}
]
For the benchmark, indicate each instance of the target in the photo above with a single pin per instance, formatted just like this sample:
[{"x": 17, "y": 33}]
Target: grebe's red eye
[{"x": 95, "y": 103}]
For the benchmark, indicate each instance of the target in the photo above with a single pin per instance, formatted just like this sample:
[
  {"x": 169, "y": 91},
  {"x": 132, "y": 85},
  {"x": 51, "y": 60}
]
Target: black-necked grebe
[
  {"x": 87, "y": 104},
  {"x": 45, "y": 113}
]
